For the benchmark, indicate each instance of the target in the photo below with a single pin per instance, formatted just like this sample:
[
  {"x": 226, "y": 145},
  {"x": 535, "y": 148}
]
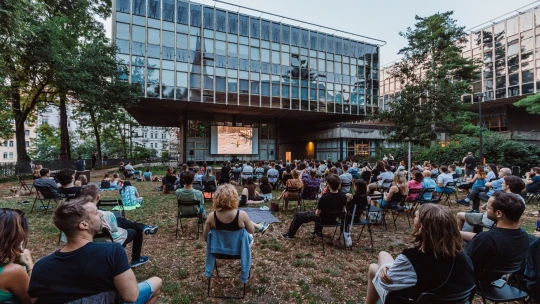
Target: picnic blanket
[{"x": 257, "y": 215}]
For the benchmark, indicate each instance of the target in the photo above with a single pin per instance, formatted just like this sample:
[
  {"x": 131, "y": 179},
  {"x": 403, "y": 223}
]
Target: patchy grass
[{"x": 283, "y": 271}]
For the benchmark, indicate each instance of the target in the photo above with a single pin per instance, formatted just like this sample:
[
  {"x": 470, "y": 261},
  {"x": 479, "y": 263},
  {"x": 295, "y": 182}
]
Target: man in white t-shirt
[
  {"x": 444, "y": 178},
  {"x": 247, "y": 169},
  {"x": 387, "y": 174}
]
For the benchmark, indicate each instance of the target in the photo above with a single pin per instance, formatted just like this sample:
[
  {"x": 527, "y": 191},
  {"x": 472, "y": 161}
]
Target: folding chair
[
  {"x": 411, "y": 204},
  {"x": 386, "y": 184},
  {"x": 213, "y": 253},
  {"x": 24, "y": 186},
  {"x": 287, "y": 200},
  {"x": 208, "y": 188},
  {"x": 422, "y": 200},
  {"x": 45, "y": 194},
  {"x": 506, "y": 293},
  {"x": 112, "y": 203},
  {"x": 432, "y": 298},
  {"x": 358, "y": 221},
  {"x": 533, "y": 196},
  {"x": 245, "y": 176},
  {"x": 448, "y": 190},
  {"x": 183, "y": 215},
  {"x": 236, "y": 176},
  {"x": 338, "y": 217},
  {"x": 378, "y": 198},
  {"x": 345, "y": 185},
  {"x": 396, "y": 208}
]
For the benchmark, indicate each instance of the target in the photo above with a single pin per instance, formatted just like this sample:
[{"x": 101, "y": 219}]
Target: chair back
[
  {"x": 345, "y": 185},
  {"x": 460, "y": 298},
  {"x": 186, "y": 208},
  {"x": 376, "y": 197},
  {"x": 45, "y": 192},
  {"x": 112, "y": 203},
  {"x": 331, "y": 218},
  {"x": 387, "y": 183},
  {"x": 272, "y": 176},
  {"x": 106, "y": 297},
  {"x": 413, "y": 191},
  {"x": 423, "y": 194},
  {"x": 498, "y": 270},
  {"x": 450, "y": 186}
]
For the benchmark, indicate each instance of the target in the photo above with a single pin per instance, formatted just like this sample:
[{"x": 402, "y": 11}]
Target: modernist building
[
  {"x": 200, "y": 66},
  {"x": 508, "y": 52}
]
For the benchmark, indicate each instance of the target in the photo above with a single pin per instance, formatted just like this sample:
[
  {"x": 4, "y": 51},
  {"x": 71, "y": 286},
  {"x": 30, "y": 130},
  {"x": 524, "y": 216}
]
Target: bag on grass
[
  {"x": 346, "y": 239},
  {"x": 376, "y": 217},
  {"x": 274, "y": 207}
]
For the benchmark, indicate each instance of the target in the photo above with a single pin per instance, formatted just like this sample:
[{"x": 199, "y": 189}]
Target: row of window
[
  {"x": 10, "y": 155},
  {"x": 197, "y": 15}
]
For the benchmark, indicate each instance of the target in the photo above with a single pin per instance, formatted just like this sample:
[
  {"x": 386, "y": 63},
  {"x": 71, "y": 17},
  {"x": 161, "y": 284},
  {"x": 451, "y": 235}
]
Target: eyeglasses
[{"x": 5, "y": 210}]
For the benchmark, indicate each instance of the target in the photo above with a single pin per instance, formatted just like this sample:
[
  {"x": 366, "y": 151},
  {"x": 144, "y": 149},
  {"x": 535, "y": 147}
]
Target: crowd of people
[{"x": 94, "y": 265}]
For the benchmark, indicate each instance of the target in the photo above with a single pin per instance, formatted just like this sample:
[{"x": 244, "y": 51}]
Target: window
[
  {"x": 145, "y": 135},
  {"x": 26, "y": 132},
  {"x": 195, "y": 15},
  {"x": 139, "y": 7},
  {"x": 5, "y": 143},
  {"x": 163, "y": 135},
  {"x": 10, "y": 155},
  {"x": 182, "y": 11},
  {"x": 11, "y": 143},
  {"x": 154, "y": 9},
  {"x": 254, "y": 28},
  {"x": 5, "y": 155},
  {"x": 27, "y": 144}
]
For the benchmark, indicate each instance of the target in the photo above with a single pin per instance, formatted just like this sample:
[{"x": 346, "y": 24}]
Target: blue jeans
[{"x": 145, "y": 293}]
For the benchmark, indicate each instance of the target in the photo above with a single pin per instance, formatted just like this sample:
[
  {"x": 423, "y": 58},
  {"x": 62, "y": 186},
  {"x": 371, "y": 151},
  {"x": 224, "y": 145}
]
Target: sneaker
[
  {"x": 263, "y": 228},
  {"x": 287, "y": 237},
  {"x": 150, "y": 229},
  {"x": 473, "y": 211},
  {"x": 463, "y": 202},
  {"x": 141, "y": 261},
  {"x": 316, "y": 233}
]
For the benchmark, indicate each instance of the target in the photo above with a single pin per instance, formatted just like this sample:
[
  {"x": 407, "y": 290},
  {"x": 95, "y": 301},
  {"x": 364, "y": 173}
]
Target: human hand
[
  {"x": 384, "y": 275},
  {"x": 26, "y": 259},
  {"x": 536, "y": 234}
]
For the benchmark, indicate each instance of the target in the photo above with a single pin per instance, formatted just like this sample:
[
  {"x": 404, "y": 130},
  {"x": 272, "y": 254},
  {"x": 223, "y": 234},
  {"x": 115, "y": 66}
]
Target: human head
[
  {"x": 513, "y": 184},
  {"x": 334, "y": 170},
  {"x": 44, "y": 172},
  {"x": 345, "y": 168},
  {"x": 295, "y": 174},
  {"x": 426, "y": 174},
  {"x": 452, "y": 168},
  {"x": 184, "y": 167},
  {"x": 83, "y": 179},
  {"x": 147, "y": 170},
  {"x": 65, "y": 176},
  {"x": 333, "y": 181},
  {"x": 188, "y": 177},
  {"x": 13, "y": 234},
  {"x": 37, "y": 168},
  {"x": 225, "y": 198},
  {"x": 493, "y": 168},
  {"x": 79, "y": 157},
  {"x": 92, "y": 191},
  {"x": 505, "y": 206},
  {"x": 106, "y": 176},
  {"x": 434, "y": 165},
  {"x": 469, "y": 153},
  {"x": 360, "y": 187},
  {"x": 536, "y": 170},
  {"x": 264, "y": 180},
  {"x": 127, "y": 183},
  {"x": 387, "y": 167},
  {"x": 399, "y": 178},
  {"x": 77, "y": 216},
  {"x": 115, "y": 175},
  {"x": 196, "y": 169},
  {"x": 312, "y": 173},
  {"x": 418, "y": 176},
  {"x": 504, "y": 172},
  {"x": 436, "y": 231},
  {"x": 209, "y": 171},
  {"x": 444, "y": 169},
  {"x": 249, "y": 181}
]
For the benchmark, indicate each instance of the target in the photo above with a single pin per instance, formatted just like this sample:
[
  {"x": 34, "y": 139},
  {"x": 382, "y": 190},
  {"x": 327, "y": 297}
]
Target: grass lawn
[{"x": 283, "y": 271}]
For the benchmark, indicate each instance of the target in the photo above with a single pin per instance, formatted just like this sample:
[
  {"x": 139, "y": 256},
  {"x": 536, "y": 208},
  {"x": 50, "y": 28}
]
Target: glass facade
[{"x": 191, "y": 52}]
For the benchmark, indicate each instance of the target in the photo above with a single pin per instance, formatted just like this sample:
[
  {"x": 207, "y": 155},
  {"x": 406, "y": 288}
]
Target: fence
[{"x": 25, "y": 167}]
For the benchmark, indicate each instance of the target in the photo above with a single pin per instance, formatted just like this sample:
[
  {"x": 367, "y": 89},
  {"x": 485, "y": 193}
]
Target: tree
[
  {"x": 531, "y": 103},
  {"x": 46, "y": 145},
  {"x": 433, "y": 77}
]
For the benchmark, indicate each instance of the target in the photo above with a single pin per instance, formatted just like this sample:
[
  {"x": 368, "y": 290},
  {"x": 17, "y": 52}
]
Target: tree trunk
[
  {"x": 20, "y": 118},
  {"x": 123, "y": 141},
  {"x": 65, "y": 149},
  {"x": 96, "y": 132}
]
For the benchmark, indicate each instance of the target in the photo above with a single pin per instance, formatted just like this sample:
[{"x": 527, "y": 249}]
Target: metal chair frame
[
  {"x": 339, "y": 215},
  {"x": 180, "y": 216},
  {"x": 449, "y": 186},
  {"x": 487, "y": 291},
  {"x": 45, "y": 194},
  {"x": 112, "y": 203}
]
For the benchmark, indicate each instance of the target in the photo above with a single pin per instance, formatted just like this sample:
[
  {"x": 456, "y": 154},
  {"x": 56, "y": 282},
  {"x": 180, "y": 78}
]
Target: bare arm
[
  {"x": 208, "y": 225},
  {"x": 126, "y": 286},
  {"x": 473, "y": 179},
  {"x": 18, "y": 282},
  {"x": 391, "y": 192},
  {"x": 247, "y": 222}
]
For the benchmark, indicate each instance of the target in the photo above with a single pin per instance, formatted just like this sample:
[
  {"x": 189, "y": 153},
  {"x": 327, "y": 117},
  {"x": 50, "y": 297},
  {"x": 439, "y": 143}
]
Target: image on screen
[{"x": 234, "y": 140}]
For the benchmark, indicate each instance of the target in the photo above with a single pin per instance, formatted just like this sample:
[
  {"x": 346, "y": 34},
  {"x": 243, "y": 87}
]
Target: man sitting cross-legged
[
  {"x": 83, "y": 268},
  {"x": 505, "y": 244},
  {"x": 510, "y": 184},
  {"x": 435, "y": 264},
  {"x": 330, "y": 202},
  {"x": 122, "y": 230}
]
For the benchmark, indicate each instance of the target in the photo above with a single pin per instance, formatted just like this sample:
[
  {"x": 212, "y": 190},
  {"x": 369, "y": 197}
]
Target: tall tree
[
  {"x": 531, "y": 103},
  {"x": 433, "y": 77}
]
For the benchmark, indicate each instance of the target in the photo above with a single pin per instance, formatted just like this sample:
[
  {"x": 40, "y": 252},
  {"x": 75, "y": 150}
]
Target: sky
[{"x": 382, "y": 19}]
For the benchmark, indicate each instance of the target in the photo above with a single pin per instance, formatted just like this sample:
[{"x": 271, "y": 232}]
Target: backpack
[{"x": 105, "y": 184}]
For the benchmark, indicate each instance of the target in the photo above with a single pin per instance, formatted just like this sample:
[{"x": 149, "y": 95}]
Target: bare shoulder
[{"x": 13, "y": 269}]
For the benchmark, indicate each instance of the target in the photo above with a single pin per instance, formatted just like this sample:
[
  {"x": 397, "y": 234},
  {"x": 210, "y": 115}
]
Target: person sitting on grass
[
  {"x": 16, "y": 262},
  {"x": 225, "y": 204},
  {"x": 83, "y": 268},
  {"x": 68, "y": 188},
  {"x": 437, "y": 246},
  {"x": 116, "y": 181},
  {"x": 250, "y": 190},
  {"x": 123, "y": 231},
  {"x": 147, "y": 175},
  {"x": 266, "y": 189},
  {"x": 187, "y": 194},
  {"x": 331, "y": 202},
  {"x": 130, "y": 196}
]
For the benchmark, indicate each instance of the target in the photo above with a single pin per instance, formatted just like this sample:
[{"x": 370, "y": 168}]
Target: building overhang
[
  {"x": 170, "y": 113},
  {"x": 497, "y": 102}
]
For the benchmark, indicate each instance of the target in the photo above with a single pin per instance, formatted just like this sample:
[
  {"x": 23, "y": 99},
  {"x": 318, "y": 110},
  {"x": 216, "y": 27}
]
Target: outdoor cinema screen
[{"x": 234, "y": 140}]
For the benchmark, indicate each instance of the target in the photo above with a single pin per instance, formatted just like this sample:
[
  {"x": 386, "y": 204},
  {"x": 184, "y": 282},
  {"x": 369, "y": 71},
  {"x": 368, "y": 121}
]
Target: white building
[
  {"x": 8, "y": 149},
  {"x": 157, "y": 138}
]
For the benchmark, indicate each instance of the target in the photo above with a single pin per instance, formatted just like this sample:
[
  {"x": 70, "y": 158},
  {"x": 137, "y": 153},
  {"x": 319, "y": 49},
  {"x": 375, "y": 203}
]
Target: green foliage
[
  {"x": 531, "y": 103},
  {"x": 46, "y": 144},
  {"x": 142, "y": 152},
  {"x": 433, "y": 77}
]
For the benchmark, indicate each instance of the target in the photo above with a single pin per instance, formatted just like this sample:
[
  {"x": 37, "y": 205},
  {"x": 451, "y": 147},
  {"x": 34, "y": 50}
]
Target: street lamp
[{"x": 481, "y": 96}]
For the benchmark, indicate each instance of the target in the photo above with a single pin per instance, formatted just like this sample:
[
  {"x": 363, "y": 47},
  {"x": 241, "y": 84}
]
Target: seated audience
[
  {"x": 266, "y": 189},
  {"x": 346, "y": 180},
  {"x": 330, "y": 202},
  {"x": 80, "y": 164},
  {"x": 396, "y": 193},
  {"x": 273, "y": 175},
  {"x": 510, "y": 184},
  {"x": 46, "y": 181},
  {"x": 185, "y": 169},
  {"x": 116, "y": 181},
  {"x": 210, "y": 180},
  {"x": 35, "y": 172},
  {"x": 480, "y": 192},
  {"x": 444, "y": 178},
  {"x": 129, "y": 171},
  {"x": 386, "y": 175},
  {"x": 105, "y": 182},
  {"x": 81, "y": 181},
  {"x": 459, "y": 169},
  {"x": 479, "y": 180},
  {"x": 259, "y": 171},
  {"x": 505, "y": 244},
  {"x": 83, "y": 268},
  {"x": 225, "y": 171},
  {"x": 532, "y": 180},
  {"x": 169, "y": 181},
  {"x": 492, "y": 174},
  {"x": 250, "y": 189},
  {"x": 293, "y": 183},
  {"x": 68, "y": 188},
  {"x": 123, "y": 231},
  {"x": 428, "y": 183},
  {"x": 359, "y": 199},
  {"x": 197, "y": 179},
  {"x": 415, "y": 183},
  {"x": 286, "y": 175},
  {"x": 311, "y": 185},
  {"x": 437, "y": 246},
  {"x": 189, "y": 194},
  {"x": 130, "y": 196},
  {"x": 147, "y": 175},
  {"x": 16, "y": 264},
  {"x": 247, "y": 171},
  {"x": 401, "y": 167},
  {"x": 434, "y": 169}
]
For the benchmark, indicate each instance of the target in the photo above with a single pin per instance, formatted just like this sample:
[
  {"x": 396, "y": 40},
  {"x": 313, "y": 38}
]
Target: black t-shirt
[
  {"x": 265, "y": 188},
  {"x": 497, "y": 246},
  {"x": 70, "y": 193},
  {"x": 360, "y": 201},
  {"x": 470, "y": 162},
  {"x": 67, "y": 276},
  {"x": 331, "y": 202},
  {"x": 225, "y": 172}
]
